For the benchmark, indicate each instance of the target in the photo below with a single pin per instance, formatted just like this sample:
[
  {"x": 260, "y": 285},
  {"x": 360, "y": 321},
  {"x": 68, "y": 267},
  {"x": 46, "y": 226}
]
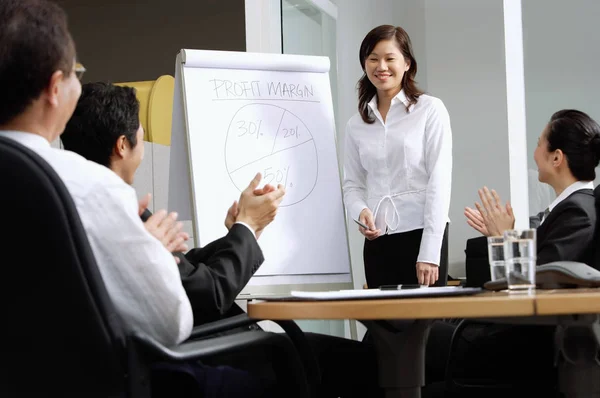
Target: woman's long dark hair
[{"x": 366, "y": 89}]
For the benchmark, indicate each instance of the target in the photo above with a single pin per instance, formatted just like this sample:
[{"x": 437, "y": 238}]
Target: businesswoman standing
[{"x": 398, "y": 166}]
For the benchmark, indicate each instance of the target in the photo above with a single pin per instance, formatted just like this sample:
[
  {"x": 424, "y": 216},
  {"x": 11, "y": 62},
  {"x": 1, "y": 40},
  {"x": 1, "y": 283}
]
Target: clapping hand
[
  {"x": 496, "y": 216},
  {"x": 231, "y": 215},
  {"x": 144, "y": 203},
  {"x": 475, "y": 220},
  {"x": 164, "y": 227},
  {"x": 258, "y": 206}
]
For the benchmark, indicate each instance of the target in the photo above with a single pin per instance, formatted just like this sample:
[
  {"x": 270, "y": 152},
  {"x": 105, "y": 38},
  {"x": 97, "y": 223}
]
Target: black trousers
[{"x": 391, "y": 259}]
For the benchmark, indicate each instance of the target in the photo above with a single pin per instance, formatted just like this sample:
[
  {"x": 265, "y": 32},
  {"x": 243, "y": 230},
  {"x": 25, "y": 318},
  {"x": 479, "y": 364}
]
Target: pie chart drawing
[{"x": 272, "y": 140}]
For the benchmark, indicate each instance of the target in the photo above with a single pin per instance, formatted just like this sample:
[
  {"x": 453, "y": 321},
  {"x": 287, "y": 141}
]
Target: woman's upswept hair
[
  {"x": 578, "y": 136},
  {"x": 366, "y": 89}
]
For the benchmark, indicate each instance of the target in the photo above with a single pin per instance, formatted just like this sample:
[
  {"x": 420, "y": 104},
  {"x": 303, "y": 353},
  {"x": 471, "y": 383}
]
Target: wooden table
[
  {"x": 567, "y": 302},
  {"x": 402, "y": 357},
  {"x": 487, "y": 304}
]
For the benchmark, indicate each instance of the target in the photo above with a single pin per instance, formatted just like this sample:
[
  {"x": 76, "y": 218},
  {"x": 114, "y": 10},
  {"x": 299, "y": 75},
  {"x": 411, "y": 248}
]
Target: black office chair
[
  {"x": 501, "y": 386},
  {"x": 61, "y": 334}
]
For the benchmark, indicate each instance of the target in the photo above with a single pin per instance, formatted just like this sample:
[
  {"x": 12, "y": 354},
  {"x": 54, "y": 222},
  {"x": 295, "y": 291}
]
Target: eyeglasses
[{"x": 79, "y": 69}]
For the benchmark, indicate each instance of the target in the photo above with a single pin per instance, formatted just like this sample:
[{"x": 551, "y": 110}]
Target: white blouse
[{"x": 401, "y": 169}]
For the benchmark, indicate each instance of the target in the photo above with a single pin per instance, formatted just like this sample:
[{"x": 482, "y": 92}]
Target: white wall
[
  {"x": 466, "y": 69},
  {"x": 562, "y": 61},
  {"x": 410, "y": 15}
]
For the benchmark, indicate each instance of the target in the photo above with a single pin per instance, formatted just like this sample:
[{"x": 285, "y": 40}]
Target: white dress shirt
[
  {"x": 401, "y": 169},
  {"x": 140, "y": 275},
  {"x": 576, "y": 186}
]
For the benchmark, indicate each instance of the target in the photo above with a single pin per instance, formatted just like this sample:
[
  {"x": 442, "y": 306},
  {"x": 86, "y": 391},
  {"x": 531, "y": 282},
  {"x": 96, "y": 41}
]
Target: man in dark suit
[
  {"x": 105, "y": 128},
  {"x": 213, "y": 276}
]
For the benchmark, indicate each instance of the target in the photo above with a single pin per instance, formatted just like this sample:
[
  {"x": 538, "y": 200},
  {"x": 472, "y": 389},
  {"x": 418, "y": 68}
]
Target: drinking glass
[
  {"x": 496, "y": 257},
  {"x": 520, "y": 258}
]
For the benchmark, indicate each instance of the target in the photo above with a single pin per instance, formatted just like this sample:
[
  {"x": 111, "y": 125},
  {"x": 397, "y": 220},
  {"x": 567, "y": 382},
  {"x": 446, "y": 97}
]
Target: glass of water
[
  {"x": 496, "y": 257},
  {"x": 520, "y": 258}
]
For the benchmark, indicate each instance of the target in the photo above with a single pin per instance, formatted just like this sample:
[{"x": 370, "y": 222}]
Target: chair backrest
[
  {"x": 60, "y": 331},
  {"x": 477, "y": 266},
  {"x": 596, "y": 243}
]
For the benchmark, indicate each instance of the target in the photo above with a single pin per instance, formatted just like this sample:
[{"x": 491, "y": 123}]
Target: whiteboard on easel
[{"x": 236, "y": 114}]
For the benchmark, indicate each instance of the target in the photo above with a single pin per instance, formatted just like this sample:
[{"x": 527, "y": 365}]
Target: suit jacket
[
  {"x": 215, "y": 274},
  {"x": 567, "y": 234}
]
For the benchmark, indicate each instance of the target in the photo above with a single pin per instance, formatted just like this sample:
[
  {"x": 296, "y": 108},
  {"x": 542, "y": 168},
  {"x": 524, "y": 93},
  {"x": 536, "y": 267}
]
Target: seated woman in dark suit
[{"x": 567, "y": 154}]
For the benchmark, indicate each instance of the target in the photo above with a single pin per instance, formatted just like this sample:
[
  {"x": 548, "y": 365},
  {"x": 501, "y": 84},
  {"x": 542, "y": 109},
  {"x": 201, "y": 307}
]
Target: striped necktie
[{"x": 545, "y": 215}]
